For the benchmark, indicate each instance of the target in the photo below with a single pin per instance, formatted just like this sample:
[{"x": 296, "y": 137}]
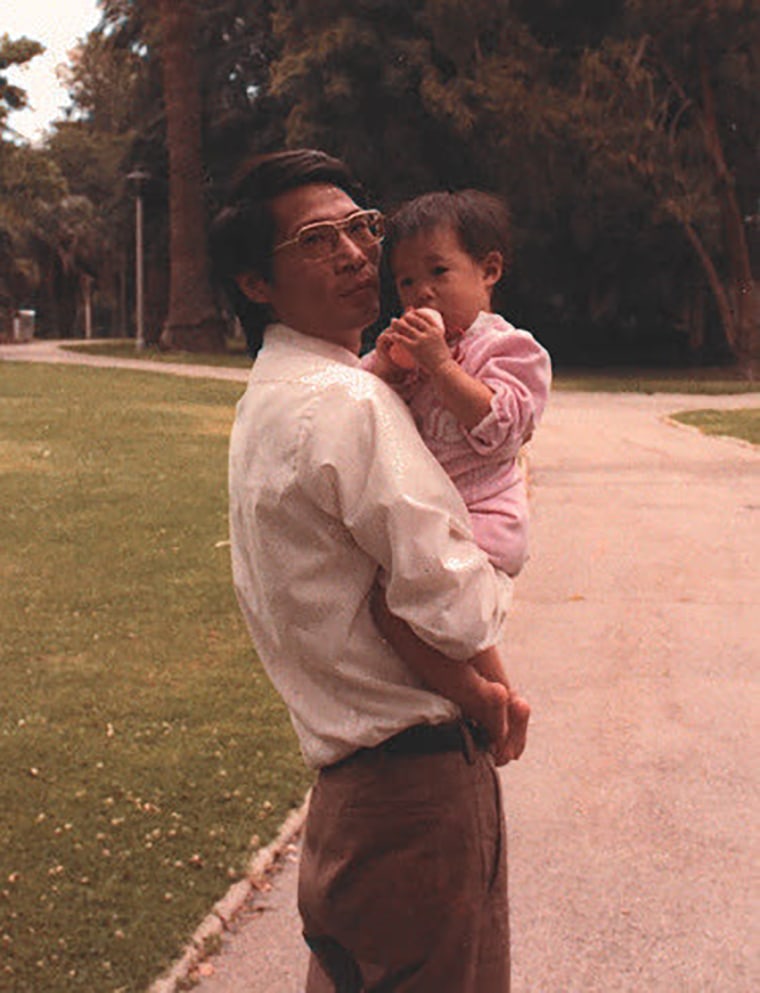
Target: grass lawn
[
  {"x": 141, "y": 745},
  {"x": 708, "y": 381},
  {"x": 120, "y": 348},
  {"x": 744, "y": 424}
]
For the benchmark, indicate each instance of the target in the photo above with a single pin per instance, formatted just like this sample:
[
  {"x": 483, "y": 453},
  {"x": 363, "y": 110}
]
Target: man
[{"x": 402, "y": 883}]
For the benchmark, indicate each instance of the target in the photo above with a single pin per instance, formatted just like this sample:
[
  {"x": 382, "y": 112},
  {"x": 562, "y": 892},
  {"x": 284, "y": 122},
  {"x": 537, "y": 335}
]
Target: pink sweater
[{"x": 482, "y": 462}]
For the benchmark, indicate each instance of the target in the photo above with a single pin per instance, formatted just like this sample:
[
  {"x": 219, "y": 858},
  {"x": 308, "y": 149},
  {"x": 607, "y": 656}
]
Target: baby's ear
[
  {"x": 492, "y": 267},
  {"x": 255, "y": 287}
]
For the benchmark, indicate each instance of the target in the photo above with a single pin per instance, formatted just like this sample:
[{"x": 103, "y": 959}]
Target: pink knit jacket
[{"x": 482, "y": 462}]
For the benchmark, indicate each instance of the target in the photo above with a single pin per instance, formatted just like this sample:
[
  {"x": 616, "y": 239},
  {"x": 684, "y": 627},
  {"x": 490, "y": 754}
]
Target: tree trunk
[
  {"x": 87, "y": 299},
  {"x": 745, "y": 299},
  {"x": 193, "y": 322},
  {"x": 696, "y": 323},
  {"x": 718, "y": 289}
]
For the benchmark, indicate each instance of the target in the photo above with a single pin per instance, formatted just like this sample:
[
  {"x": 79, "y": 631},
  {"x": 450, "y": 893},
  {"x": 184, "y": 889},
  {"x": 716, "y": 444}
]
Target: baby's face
[{"x": 431, "y": 269}]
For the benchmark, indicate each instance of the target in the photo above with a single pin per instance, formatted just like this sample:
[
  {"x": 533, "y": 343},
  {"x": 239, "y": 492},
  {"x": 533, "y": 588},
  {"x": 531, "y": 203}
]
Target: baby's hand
[
  {"x": 422, "y": 333},
  {"x": 511, "y": 747},
  {"x": 383, "y": 365}
]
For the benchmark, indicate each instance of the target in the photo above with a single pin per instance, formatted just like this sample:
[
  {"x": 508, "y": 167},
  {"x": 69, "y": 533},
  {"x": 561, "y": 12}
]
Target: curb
[{"x": 225, "y": 910}]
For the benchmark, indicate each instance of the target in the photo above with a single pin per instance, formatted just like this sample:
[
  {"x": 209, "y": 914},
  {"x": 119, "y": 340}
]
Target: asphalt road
[{"x": 633, "y": 814}]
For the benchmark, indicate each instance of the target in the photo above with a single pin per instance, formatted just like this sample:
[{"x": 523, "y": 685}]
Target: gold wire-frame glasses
[{"x": 321, "y": 239}]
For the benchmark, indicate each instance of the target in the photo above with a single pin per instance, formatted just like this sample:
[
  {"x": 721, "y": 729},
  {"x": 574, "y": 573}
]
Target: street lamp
[{"x": 139, "y": 177}]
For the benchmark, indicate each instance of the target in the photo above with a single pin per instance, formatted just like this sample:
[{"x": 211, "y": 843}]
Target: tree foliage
[
  {"x": 624, "y": 134},
  {"x": 27, "y": 179},
  {"x": 674, "y": 103},
  {"x": 14, "y": 52}
]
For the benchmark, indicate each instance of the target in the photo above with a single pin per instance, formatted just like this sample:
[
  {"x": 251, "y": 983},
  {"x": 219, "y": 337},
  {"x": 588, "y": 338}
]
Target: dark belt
[{"x": 427, "y": 739}]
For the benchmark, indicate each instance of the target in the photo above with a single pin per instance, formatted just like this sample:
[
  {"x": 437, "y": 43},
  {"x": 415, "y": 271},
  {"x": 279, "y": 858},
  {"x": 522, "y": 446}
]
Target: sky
[{"x": 58, "y": 25}]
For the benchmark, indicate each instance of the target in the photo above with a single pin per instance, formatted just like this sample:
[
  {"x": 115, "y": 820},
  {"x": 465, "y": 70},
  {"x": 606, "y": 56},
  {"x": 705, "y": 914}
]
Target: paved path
[
  {"x": 55, "y": 352},
  {"x": 633, "y": 851}
]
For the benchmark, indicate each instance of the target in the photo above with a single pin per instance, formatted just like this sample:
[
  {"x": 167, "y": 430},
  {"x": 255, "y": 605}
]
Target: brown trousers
[{"x": 403, "y": 879}]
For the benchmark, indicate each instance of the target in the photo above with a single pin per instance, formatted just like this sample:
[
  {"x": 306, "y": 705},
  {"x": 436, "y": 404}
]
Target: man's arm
[
  {"x": 481, "y": 688},
  {"x": 370, "y": 470}
]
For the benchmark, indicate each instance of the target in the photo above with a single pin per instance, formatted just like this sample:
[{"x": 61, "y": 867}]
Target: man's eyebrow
[{"x": 322, "y": 219}]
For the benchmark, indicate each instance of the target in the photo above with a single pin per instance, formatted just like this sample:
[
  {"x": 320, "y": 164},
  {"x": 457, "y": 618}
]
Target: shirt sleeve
[
  {"x": 518, "y": 371},
  {"x": 364, "y": 465}
]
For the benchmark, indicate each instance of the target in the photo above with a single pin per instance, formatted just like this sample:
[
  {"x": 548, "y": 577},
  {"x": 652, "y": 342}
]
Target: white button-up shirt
[{"x": 330, "y": 484}]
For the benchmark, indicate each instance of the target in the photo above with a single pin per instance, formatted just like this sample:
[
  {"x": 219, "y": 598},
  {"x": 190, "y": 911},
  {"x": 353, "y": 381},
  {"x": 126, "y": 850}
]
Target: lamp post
[{"x": 139, "y": 177}]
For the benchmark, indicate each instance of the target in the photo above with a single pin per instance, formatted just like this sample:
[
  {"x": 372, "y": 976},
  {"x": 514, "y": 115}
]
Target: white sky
[{"x": 58, "y": 25}]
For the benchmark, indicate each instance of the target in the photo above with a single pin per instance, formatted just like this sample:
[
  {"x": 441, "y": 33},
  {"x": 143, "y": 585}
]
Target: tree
[
  {"x": 667, "y": 101},
  {"x": 67, "y": 240},
  {"x": 17, "y": 273},
  {"x": 12, "y": 53},
  {"x": 168, "y": 30},
  {"x": 110, "y": 90},
  {"x": 193, "y": 320},
  {"x": 43, "y": 231},
  {"x": 414, "y": 95}
]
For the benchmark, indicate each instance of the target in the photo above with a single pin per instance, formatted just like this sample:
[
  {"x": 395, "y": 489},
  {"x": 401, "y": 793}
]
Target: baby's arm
[
  {"x": 461, "y": 394},
  {"x": 379, "y": 362}
]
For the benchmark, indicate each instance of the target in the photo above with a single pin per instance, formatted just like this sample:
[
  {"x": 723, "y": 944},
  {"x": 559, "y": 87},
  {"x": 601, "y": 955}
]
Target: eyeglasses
[{"x": 320, "y": 240}]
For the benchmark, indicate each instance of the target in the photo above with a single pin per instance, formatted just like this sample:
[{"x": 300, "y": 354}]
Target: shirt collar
[{"x": 279, "y": 335}]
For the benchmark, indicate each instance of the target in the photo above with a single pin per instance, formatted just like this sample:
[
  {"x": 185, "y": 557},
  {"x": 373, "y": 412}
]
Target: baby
[{"x": 476, "y": 387}]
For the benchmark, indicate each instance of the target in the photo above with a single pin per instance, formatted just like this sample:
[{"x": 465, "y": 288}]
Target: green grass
[
  {"x": 141, "y": 745},
  {"x": 708, "y": 381},
  {"x": 235, "y": 356},
  {"x": 744, "y": 424}
]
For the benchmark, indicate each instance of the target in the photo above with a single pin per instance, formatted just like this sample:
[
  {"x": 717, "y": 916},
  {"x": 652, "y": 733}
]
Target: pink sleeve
[{"x": 518, "y": 370}]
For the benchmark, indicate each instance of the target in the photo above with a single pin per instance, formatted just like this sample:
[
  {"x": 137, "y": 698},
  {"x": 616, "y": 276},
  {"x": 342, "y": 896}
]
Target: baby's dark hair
[{"x": 480, "y": 221}]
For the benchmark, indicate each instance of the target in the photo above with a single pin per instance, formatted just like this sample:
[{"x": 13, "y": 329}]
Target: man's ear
[
  {"x": 492, "y": 267},
  {"x": 255, "y": 287}
]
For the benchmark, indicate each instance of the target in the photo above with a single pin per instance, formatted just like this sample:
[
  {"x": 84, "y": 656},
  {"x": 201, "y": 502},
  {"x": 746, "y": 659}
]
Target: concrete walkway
[
  {"x": 633, "y": 845},
  {"x": 67, "y": 353}
]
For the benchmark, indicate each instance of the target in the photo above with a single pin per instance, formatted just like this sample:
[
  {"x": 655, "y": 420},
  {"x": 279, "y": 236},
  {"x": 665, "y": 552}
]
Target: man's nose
[{"x": 348, "y": 252}]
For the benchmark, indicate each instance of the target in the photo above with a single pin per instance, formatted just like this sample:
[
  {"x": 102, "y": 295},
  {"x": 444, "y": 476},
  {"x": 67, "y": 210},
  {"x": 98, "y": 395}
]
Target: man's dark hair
[
  {"x": 242, "y": 234},
  {"x": 480, "y": 221}
]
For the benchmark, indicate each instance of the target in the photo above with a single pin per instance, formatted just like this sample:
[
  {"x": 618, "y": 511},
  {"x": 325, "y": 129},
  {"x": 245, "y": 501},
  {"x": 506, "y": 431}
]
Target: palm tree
[{"x": 193, "y": 321}]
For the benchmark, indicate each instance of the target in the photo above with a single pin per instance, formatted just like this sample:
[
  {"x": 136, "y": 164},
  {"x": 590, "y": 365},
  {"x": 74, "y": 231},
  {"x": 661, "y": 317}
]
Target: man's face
[{"x": 332, "y": 298}]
